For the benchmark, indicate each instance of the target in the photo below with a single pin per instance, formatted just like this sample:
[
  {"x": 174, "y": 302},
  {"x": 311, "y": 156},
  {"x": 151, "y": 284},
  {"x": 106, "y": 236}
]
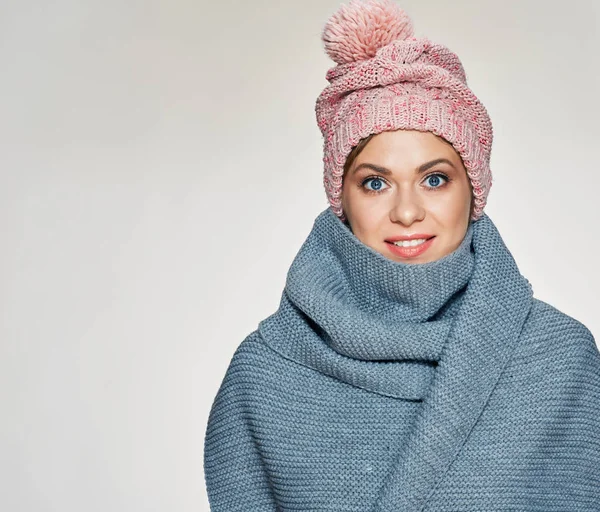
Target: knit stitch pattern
[
  {"x": 384, "y": 386},
  {"x": 387, "y": 79}
]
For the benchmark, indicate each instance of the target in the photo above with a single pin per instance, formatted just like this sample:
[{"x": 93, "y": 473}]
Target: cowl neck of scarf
[
  {"x": 440, "y": 333},
  {"x": 371, "y": 321}
]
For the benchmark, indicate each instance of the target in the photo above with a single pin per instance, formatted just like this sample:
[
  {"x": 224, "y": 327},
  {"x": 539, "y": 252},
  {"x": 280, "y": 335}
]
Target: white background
[{"x": 161, "y": 166}]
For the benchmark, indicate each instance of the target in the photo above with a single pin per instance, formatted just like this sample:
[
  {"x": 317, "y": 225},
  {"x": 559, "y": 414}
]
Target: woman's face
[{"x": 405, "y": 183}]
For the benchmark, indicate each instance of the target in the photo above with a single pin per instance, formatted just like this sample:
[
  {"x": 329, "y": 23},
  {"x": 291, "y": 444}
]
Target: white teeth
[{"x": 410, "y": 243}]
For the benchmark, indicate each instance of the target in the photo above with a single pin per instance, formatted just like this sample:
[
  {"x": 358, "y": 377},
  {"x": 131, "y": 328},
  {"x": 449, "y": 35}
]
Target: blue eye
[
  {"x": 435, "y": 180},
  {"x": 377, "y": 183}
]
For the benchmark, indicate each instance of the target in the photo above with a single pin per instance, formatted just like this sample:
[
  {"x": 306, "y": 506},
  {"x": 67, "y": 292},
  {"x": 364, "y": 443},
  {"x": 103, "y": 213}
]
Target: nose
[{"x": 407, "y": 207}]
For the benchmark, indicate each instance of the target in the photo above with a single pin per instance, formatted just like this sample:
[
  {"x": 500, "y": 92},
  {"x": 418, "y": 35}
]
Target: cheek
[
  {"x": 366, "y": 224},
  {"x": 361, "y": 205},
  {"x": 452, "y": 203}
]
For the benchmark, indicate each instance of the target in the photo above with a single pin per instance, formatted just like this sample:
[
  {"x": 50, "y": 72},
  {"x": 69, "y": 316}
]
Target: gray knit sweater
[{"x": 381, "y": 386}]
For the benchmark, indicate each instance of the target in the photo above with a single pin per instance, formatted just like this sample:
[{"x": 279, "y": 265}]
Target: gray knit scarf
[
  {"x": 411, "y": 331},
  {"x": 383, "y": 386}
]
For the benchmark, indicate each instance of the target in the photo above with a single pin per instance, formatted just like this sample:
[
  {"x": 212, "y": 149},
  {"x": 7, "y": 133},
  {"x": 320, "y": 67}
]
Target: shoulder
[
  {"x": 557, "y": 340},
  {"x": 252, "y": 353},
  {"x": 554, "y": 368},
  {"x": 253, "y": 365},
  {"x": 547, "y": 319}
]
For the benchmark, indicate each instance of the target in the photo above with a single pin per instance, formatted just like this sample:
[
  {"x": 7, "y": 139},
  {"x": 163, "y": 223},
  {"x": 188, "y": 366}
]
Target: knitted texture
[
  {"x": 384, "y": 386},
  {"x": 387, "y": 79}
]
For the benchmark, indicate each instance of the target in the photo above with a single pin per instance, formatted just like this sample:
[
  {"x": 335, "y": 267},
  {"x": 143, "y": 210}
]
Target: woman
[{"x": 409, "y": 366}]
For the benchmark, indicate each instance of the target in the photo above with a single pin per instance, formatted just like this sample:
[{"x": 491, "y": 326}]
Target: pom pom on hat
[{"x": 357, "y": 30}]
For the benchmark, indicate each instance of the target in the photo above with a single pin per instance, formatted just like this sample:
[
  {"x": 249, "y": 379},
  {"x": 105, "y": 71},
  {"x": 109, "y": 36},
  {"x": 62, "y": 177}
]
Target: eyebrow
[{"x": 422, "y": 168}]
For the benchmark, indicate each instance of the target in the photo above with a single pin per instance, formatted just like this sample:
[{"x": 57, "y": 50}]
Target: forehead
[{"x": 406, "y": 148}]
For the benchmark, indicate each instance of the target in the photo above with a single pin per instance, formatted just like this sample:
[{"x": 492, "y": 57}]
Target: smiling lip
[
  {"x": 410, "y": 252},
  {"x": 408, "y": 237}
]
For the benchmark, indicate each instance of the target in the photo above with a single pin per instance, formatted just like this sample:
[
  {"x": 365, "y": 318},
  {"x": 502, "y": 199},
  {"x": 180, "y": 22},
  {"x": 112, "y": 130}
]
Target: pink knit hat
[{"x": 386, "y": 79}]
